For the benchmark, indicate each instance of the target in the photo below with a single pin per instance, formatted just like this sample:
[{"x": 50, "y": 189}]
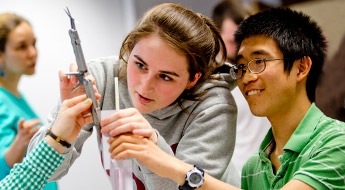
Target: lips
[
  {"x": 253, "y": 92},
  {"x": 31, "y": 64},
  {"x": 143, "y": 99}
]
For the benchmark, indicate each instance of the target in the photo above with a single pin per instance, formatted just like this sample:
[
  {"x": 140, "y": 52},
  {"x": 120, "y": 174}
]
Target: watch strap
[
  {"x": 58, "y": 139},
  {"x": 186, "y": 185}
]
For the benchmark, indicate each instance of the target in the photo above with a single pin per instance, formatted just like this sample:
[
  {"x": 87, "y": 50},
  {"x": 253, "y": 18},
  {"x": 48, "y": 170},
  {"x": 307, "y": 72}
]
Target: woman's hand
[
  {"x": 148, "y": 154},
  {"x": 128, "y": 121},
  {"x": 16, "y": 151},
  {"x": 26, "y": 129},
  {"x": 71, "y": 118},
  {"x": 67, "y": 83}
]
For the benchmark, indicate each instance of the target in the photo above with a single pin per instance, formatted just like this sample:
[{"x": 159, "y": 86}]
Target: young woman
[
  {"x": 18, "y": 121},
  {"x": 167, "y": 94}
]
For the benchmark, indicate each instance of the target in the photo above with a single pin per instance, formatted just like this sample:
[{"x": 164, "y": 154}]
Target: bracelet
[{"x": 58, "y": 139}]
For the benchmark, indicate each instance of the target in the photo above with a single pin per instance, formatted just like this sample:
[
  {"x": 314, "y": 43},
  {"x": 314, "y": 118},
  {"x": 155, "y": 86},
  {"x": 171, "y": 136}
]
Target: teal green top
[
  {"x": 35, "y": 169},
  {"x": 314, "y": 154},
  {"x": 12, "y": 109}
]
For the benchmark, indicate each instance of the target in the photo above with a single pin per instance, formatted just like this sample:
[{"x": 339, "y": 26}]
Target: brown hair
[
  {"x": 8, "y": 21},
  {"x": 187, "y": 32},
  {"x": 235, "y": 10}
]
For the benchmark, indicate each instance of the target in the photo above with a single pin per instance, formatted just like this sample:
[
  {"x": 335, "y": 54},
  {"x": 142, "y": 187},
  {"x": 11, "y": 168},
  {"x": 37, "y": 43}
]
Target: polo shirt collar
[
  {"x": 301, "y": 136},
  {"x": 266, "y": 145}
]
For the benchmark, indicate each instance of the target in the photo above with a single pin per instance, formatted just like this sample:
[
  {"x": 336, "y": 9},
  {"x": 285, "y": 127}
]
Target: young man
[{"x": 279, "y": 60}]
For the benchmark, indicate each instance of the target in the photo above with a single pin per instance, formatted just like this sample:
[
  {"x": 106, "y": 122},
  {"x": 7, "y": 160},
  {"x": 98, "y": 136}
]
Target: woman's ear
[
  {"x": 304, "y": 66},
  {"x": 194, "y": 81}
]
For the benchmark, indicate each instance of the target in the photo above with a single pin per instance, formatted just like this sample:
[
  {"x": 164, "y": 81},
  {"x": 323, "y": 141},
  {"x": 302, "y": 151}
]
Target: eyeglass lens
[{"x": 255, "y": 66}]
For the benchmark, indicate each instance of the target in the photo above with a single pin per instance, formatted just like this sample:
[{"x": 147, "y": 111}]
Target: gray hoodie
[{"x": 203, "y": 135}]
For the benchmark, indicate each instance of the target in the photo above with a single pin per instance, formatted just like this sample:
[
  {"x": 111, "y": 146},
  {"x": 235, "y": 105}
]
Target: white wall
[{"x": 102, "y": 25}]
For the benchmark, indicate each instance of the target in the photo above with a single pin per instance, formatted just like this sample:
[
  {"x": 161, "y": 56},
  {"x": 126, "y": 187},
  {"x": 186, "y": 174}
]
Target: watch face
[{"x": 195, "y": 178}]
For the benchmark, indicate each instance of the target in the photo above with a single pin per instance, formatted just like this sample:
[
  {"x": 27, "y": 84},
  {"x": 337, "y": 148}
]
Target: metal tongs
[{"x": 82, "y": 68}]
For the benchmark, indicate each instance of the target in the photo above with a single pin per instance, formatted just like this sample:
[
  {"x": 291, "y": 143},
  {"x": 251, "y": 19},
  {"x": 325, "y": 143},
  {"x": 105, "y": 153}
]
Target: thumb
[
  {"x": 20, "y": 123},
  {"x": 62, "y": 76}
]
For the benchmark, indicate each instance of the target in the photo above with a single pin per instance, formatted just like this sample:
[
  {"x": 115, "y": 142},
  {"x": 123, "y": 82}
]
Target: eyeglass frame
[{"x": 232, "y": 67}]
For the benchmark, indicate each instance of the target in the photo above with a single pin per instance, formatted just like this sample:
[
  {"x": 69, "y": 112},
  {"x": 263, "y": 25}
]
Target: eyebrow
[
  {"x": 161, "y": 71},
  {"x": 258, "y": 52}
]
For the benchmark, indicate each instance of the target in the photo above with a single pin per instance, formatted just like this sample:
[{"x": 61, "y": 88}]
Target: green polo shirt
[{"x": 314, "y": 154}]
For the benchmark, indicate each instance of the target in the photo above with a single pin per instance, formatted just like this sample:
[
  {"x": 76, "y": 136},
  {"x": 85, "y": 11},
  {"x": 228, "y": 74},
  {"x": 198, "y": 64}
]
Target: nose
[
  {"x": 248, "y": 77},
  {"x": 32, "y": 51},
  {"x": 147, "y": 83}
]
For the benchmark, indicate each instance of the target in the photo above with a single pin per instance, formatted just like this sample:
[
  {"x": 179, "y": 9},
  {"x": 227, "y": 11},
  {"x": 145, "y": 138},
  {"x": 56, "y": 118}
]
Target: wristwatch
[{"x": 194, "y": 179}]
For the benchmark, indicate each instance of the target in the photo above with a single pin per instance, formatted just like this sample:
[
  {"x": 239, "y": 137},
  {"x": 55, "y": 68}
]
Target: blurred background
[{"x": 102, "y": 25}]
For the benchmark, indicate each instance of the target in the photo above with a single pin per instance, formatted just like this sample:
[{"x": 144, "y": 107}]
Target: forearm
[
  {"x": 57, "y": 146},
  {"x": 15, "y": 152},
  {"x": 212, "y": 183},
  {"x": 176, "y": 170},
  {"x": 167, "y": 166}
]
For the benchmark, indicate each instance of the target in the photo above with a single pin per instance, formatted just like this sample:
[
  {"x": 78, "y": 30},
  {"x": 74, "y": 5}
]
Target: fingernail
[{"x": 87, "y": 101}]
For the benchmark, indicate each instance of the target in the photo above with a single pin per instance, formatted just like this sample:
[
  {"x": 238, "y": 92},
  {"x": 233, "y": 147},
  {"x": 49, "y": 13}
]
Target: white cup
[{"x": 120, "y": 170}]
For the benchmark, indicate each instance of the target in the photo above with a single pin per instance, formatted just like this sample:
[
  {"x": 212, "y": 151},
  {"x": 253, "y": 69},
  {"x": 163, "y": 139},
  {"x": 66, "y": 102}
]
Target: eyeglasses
[{"x": 255, "y": 66}]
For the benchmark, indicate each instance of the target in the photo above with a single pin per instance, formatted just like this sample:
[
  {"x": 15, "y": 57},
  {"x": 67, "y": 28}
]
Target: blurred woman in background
[{"x": 18, "y": 121}]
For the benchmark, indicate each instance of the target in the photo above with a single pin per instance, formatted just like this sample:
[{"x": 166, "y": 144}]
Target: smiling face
[
  {"x": 156, "y": 74},
  {"x": 20, "y": 52},
  {"x": 272, "y": 91}
]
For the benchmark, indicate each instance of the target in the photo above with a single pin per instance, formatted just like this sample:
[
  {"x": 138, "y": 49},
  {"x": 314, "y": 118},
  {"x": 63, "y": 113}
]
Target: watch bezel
[{"x": 198, "y": 171}]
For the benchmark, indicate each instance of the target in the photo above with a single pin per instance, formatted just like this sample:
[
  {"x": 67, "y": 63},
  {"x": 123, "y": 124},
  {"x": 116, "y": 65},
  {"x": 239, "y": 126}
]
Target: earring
[{"x": 2, "y": 72}]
